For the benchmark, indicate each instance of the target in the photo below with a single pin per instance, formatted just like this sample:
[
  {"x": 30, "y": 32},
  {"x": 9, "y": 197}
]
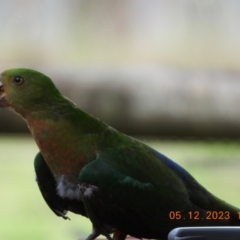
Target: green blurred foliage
[{"x": 24, "y": 214}]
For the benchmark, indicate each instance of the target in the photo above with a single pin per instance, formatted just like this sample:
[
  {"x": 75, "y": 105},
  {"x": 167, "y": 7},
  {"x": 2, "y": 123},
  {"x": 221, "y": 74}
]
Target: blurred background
[{"x": 165, "y": 71}]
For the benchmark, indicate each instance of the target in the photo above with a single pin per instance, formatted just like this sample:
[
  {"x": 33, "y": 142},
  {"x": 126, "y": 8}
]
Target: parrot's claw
[{"x": 62, "y": 214}]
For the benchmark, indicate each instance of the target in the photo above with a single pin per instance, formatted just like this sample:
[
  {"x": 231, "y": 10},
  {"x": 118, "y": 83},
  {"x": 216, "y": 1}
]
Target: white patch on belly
[
  {"x": 66, "y": 189},
  {"x": 87, "y": 191}
]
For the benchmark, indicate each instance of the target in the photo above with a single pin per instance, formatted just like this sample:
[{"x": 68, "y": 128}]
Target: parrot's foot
[
  {"x": 118, "y": 235},
  {"x": 95, "y": 233}
]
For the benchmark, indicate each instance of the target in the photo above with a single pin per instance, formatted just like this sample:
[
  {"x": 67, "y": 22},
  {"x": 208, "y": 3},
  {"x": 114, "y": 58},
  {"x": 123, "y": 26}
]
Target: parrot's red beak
[{"x": 3, "y": 101}]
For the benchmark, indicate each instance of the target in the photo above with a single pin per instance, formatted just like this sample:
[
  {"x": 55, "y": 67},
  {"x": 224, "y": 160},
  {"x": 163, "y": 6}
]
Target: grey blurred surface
[
  {"x": 167, "y": 68},
  {"x": 204, "y": 233},
  {"x": 152, "y": 101}
]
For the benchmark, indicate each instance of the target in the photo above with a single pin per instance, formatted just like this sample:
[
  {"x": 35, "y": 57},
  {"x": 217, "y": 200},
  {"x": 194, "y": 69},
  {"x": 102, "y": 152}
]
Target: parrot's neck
[{"x": 66, "y": 139}]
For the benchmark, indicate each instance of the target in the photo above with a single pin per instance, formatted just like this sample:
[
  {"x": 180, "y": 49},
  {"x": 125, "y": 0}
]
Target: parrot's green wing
[{"x": 132, "y": 189}]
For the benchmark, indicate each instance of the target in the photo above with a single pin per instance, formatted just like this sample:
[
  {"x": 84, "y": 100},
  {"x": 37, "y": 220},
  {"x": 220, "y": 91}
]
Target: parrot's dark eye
[{"x": 18, "y": 80}]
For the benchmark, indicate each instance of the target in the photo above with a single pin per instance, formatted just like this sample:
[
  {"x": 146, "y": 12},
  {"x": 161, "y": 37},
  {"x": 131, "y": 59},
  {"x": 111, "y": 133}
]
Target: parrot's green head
[{"x": 26, "y": 90}]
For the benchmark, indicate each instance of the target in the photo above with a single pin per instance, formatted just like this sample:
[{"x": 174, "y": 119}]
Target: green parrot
[{"x": 87, "y": 167}]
